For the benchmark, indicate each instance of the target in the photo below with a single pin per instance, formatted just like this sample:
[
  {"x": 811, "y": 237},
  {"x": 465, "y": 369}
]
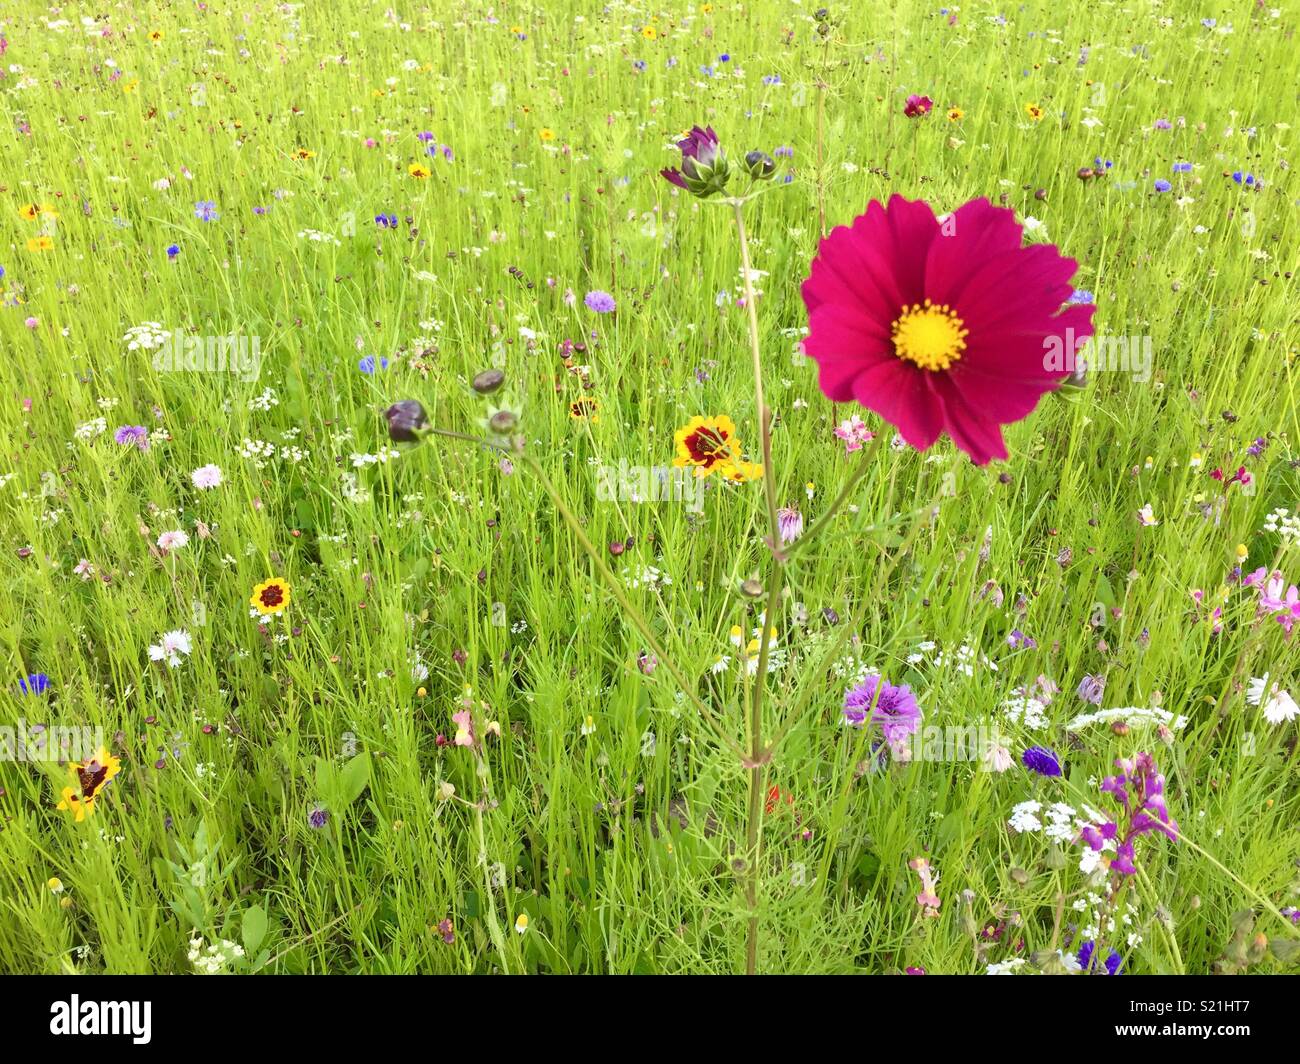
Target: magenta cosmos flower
[
  {"x": 917, "y": 106},
  {"x": 951, "y": 328}
]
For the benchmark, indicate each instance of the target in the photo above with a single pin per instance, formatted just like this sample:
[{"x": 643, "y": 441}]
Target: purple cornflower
[
  {"x": 789, "y": 524},
  {"x": 893, "y": 708},
  {"x": 1162, "y": 185},
  {"x": 1081, "y": 295},
  {"x": 1163, "y": 124},
  {"x": 1243, "y": 178},
  {"x": 1140, "y": 792},
  {"x": 424, "y": 138},
  {"x": 1086, "y": 962},
  {"x": 386, "y": 221},
  {"x": 1257, "y": 448},
  {"x": 1041, "y": 760},
  {"x": 132, "y": 434},
  {"x": 318, "y": 816},
  {"x": 206, "y": 211},
  {"x": 1091, "y": 688},
  {"x": 600, "y": 302},
  {"x": 1182, "y": 168},
  {"x": 369, "y": 364}
]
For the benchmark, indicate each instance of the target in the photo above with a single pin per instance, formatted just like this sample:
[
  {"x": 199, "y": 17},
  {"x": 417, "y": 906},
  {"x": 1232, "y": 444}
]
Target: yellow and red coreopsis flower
[
  {"x": 89, "y": 780},
  {"x": 585, "y": 409},
  {"x": 270, "y": 596},
  {"x": 707, "y": 445}
]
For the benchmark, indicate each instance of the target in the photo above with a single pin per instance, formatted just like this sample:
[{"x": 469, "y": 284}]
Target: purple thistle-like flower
[
  {"x": 1091, "y": 689},
  {"x": 893, "y": 708},
  {"x": 600, "y": 302},
  {"x": 318, "y": 816},
  {"x": 132, "y": 434},
  {"x": 1041, "y": 760},
  {"x": 789, "y": 524}
]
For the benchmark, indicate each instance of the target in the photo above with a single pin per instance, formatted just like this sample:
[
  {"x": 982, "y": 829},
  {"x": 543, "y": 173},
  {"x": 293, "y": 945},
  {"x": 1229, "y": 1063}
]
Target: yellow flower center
[{"x": 931, "y": 336}]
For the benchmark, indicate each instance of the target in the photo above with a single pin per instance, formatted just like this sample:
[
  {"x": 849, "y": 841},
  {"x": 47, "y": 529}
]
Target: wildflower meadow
[{"x": 649, "y": 489}]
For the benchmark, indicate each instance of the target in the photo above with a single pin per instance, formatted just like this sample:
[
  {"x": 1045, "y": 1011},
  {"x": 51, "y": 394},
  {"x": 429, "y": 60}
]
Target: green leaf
[
  {"x": 254, "y": 928},
  {"x": 353, "y": 779}
]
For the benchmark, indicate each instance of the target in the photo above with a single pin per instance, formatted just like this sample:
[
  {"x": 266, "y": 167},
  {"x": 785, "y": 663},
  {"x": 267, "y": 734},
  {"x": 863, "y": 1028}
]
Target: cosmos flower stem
[
  {"x": 633, "y": 614},
  {"x": 760, "y": 406},
  {"x": 818, "y": 526},
  {"x": 758, "y": 757}
]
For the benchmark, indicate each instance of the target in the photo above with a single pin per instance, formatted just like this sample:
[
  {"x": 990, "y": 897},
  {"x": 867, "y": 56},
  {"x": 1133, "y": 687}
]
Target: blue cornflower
[
  {"x": 386, "y": 221},
  {"x": 724, "y": 58},
  {"x": 1182, "y": 168},
  {"x": 771, "y": 79},
  {"x": 206, "y": 211},
  {"x": 640, "y": 64},
  {"x": 1162, "y": 185},
  {"x": 173, "y": 250},
  {"x": 599, "y": 301},
  {"x": 1081, "y": 295},
  {"x": 1085, "y": 958},
  {"x": 35, "y": 684},
  {"x": 368, "y": 364},
  {"x": 1243, "y": 178},
  {"x": 1041, "y": 760}
]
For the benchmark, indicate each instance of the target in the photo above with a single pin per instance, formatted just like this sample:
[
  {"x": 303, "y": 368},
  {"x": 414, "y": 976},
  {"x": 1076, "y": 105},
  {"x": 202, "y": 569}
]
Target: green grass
[{"x": 625, "y": 847}]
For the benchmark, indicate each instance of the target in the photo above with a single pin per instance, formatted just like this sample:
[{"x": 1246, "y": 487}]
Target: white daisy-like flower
[
  {"x": 171, "y": 648},
  {"x": 1278, "y": 705}
]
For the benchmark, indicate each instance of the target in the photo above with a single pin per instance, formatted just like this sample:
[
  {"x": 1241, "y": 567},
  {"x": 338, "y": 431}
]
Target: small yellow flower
[
  {"x": 521, "y": 923},
  {"x": 1195, "y": 460},
  {"x": 649, "y": 33},
  {"x": 130, "y": 86},
  {"x": 40, "y": 243},
  {"x": 547, "y": 133},
  {"x": 418, "y": 171},
  {"x": 302, "y": 154},
  {"x": 155, "y": 35},
  {"x": 270, "y": 596},
  {"x": 955, "y": 114},
  {"x": 1034, "y": 111},
  {"x": 1242, "y": 552},
  {"x": 55, "y": 884}
]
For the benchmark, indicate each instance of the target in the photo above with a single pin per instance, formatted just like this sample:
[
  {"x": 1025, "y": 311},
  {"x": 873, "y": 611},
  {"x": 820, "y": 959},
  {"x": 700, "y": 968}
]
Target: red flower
[{"x": 954, "y": 328}]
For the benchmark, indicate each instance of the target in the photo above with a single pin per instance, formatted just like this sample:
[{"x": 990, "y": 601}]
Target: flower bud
[
  {"x": 760, "y": 166},
  {"x": 488, "y": 381},
  {"x": 406, "y": 418},
  {"x": 503, "y": 422}
]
